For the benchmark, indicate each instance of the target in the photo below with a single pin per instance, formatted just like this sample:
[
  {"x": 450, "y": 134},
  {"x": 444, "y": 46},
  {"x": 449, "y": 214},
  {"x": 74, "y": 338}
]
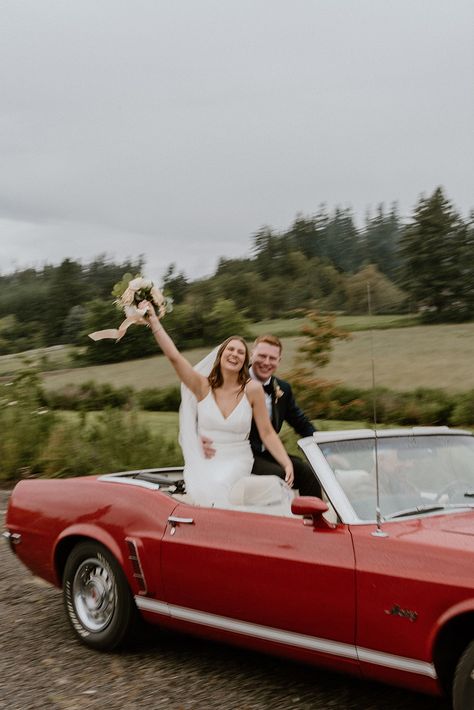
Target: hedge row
[
  {"x": 420, "y": 407},
  {"x": 91, "y": 396}
]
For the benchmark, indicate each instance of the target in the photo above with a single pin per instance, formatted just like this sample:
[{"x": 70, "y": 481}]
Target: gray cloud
[{"x": 177, "y": 129}]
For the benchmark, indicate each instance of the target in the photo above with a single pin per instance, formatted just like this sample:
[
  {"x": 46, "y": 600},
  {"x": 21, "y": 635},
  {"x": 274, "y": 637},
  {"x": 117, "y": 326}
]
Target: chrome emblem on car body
[{"x": 397, "y": 610}]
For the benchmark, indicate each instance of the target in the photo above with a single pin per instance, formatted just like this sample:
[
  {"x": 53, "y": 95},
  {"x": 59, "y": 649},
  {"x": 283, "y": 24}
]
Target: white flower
[
  {"x": 156, "y": 296},
  {"x": 139, "y": 282}
]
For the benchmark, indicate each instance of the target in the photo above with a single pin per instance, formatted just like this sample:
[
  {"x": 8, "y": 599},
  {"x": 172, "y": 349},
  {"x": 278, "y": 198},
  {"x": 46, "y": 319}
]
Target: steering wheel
[{"x": 454, "y": 487}]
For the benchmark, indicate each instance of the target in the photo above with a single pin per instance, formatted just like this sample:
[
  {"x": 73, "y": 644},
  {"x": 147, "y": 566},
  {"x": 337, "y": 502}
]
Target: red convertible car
[{"x": 376, "y": 580}]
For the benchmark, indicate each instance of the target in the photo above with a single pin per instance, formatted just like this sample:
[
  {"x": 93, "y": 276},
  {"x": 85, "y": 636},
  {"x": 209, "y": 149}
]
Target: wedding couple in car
[{"x": 230, "y": 416}]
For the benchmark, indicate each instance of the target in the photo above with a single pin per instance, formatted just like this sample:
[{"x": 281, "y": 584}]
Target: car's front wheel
[
  {"x": 463, "y": 686},
  {"x": 97, "y": 598}
]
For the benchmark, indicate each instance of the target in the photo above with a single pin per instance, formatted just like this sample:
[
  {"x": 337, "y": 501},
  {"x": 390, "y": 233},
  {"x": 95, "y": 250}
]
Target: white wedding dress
[
  {"x": 210, "y": 481},
  {"x": 225, "y": 480}
]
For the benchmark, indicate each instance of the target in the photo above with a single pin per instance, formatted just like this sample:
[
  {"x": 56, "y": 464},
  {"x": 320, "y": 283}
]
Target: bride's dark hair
[{"x": 215, "y": 376}]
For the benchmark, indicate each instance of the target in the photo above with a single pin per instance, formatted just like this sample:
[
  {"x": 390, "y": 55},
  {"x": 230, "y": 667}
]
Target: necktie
[{"x": 268, "y": 388}]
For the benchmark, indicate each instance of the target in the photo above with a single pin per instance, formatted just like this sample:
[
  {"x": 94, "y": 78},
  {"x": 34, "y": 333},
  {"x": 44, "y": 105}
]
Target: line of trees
[{"x": 321, "y": 262}]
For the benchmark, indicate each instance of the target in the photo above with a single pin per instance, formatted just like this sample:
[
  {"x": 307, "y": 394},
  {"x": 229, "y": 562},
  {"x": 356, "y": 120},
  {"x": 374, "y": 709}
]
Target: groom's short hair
[{"x": 270, "y": 339}]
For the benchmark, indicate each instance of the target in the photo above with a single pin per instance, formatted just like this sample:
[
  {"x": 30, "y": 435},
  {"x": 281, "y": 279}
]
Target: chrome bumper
[{"x": 12, "y": 538}]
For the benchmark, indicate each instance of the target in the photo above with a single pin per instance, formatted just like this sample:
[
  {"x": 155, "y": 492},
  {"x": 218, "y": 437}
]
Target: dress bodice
[{"x": 224, "y": 430}]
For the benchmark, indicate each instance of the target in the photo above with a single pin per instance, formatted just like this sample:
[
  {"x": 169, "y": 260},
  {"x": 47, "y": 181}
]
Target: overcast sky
[{"x": 177, "y": 128}]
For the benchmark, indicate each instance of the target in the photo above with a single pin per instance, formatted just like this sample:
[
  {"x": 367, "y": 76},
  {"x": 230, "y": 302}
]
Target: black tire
[
  {"x": 97, "y": 598},
  {"x": 463, "y": 686}
]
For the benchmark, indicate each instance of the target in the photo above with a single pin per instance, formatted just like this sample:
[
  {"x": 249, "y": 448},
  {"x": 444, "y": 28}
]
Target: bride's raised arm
[{"x": 198, "y": 384}]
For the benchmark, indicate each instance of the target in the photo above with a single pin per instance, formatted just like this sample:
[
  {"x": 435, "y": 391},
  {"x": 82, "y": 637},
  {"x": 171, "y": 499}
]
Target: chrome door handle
[{"x": 174, "y": 521}]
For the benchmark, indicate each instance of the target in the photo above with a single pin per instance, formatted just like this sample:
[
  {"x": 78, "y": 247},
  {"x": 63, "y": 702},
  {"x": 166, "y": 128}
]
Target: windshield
[{"x": 414, "y": 472}]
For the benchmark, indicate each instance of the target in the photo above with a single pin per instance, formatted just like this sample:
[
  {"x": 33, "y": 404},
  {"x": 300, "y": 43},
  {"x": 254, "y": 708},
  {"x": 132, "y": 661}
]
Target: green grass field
[
  {"x": 287, "y": 328},
  {"x": 438, "y": 356}
]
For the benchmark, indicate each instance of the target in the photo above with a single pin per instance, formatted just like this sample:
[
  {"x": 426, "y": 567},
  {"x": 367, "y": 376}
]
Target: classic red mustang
[{"x": 377, "y": 581}]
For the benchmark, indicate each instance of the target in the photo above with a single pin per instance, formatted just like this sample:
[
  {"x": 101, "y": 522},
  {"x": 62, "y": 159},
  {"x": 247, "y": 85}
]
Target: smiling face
[
  {"x": 234, "y": 355},
  {"x": 265, "y": 360}
]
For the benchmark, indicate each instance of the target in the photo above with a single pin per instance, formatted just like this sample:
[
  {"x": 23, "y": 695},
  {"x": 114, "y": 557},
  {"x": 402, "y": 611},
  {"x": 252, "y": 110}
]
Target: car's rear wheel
[
  {"x": 463, "y": 686},
  {"x": 97, "y": 598}
]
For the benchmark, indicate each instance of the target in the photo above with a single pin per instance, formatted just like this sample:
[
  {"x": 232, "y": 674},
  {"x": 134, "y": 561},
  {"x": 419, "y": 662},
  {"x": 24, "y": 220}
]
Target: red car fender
[
  {"x": 90, "y": 532},
  {"x": 464, "y": 607}
]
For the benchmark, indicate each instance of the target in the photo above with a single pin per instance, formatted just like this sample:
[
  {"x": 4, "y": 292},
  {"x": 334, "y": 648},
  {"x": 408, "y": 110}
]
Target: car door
[{"x": 267, "y": 578}]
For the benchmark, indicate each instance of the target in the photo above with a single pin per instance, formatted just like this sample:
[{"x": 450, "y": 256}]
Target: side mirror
[{"x": 312, "y": 509}]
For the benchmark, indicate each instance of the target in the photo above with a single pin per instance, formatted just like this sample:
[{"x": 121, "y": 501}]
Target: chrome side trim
[
  {"x": 400, "y": 663},
  {"x": 134, "y": 558},
  {"x": 153, "y": 605},
  {"x": 288, "y": 638},
  {"x": 110, "y": 478}
]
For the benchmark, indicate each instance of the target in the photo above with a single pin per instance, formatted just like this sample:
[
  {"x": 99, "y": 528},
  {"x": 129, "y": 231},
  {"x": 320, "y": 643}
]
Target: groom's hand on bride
[{"x": 207, "y": 447}]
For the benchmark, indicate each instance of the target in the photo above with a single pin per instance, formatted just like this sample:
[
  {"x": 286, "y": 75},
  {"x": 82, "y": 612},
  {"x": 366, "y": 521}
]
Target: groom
[{"x": 266, "y": 356}]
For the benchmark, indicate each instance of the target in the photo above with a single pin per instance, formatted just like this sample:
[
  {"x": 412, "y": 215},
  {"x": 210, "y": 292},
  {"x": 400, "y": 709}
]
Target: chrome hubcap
[{"x": 94, "y": 594}]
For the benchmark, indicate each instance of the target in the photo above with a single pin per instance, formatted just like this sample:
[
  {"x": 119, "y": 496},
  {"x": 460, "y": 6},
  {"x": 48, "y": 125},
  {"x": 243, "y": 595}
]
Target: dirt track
[{"x": 42, "y": 666}]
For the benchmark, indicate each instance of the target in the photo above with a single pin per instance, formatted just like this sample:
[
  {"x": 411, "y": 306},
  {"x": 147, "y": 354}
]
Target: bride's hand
[
  {"x": 150, "y": 313},
  {"x": 289, "y": 474},
  {"x": 146, "y": 306}
]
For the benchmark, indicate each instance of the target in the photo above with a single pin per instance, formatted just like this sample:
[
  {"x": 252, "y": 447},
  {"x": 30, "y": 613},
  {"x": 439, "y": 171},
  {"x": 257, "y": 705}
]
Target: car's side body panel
[
  {"x": 264, "y": 572},
  {"x": 49, "y": 513},
  {"x": 409, "y": 584}
]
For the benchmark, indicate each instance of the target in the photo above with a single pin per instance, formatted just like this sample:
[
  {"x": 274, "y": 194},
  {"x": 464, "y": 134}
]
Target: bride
[{"x": 227, "y": 400}]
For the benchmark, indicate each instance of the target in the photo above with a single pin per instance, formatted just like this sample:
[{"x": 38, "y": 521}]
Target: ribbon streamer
[{"x": 117, "y": 334}]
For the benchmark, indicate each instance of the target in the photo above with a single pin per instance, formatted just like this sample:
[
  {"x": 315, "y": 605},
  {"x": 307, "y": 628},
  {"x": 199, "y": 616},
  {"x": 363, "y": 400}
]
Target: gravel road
[{"x": 43, "y": 666}]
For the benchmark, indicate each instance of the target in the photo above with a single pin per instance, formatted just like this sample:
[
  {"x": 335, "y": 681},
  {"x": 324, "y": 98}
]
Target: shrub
[
  {"x": 156, "y": 400},
  {"x": 89, "y": 396},
  {"x": 325, "y": 400},
  {"x": 463, "y": 410},
  {"x": 115, "y": 441},
  {"x": 348, "y": 403},
  {"x": 422, "y": 407},
  {"x": 24, "y": 424}
]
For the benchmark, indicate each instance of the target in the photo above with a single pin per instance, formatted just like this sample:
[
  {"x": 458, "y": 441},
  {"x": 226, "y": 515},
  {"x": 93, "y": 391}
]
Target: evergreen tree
[
  {"x": 344, "y": 247},
  {"x": 466, "y": 261},
  {"x": 175, "y": 284},
  {"x": 101, "y": 274},
  {"x": 430, "y": 249},
  {"x": 381, "y": 238},
  {"x": 137, "y": 342},
  {"x": 66, "y": 290},
  {"x": 303, "y": 236}
]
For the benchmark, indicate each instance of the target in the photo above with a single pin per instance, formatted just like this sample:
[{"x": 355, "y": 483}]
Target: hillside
[{"x": 405, "y": 358}]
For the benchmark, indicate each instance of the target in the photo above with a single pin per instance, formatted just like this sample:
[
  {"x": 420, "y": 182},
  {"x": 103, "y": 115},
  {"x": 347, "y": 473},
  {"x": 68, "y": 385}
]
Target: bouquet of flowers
[{"x": 129, "y": 292}]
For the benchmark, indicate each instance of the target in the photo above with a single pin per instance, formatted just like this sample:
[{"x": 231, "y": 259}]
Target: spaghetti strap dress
[{"x": 209, "y": 481}]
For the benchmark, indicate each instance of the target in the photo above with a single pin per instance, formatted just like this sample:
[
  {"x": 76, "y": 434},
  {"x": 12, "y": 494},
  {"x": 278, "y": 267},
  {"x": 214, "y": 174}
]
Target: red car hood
[
  {"x": 460, "y": 524},
  {"x": 446, "y": 530}
]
